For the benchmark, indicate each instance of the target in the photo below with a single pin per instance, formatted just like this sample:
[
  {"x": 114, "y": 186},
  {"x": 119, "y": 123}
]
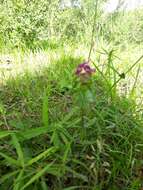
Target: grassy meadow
[{"x": 61, "y": 129}]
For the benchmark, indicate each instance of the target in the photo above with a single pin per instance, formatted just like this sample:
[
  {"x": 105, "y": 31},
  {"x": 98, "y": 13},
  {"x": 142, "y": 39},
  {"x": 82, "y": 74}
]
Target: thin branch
[
  {"x": 136, "y": 62},
  {"x": 93, "y": 30}
]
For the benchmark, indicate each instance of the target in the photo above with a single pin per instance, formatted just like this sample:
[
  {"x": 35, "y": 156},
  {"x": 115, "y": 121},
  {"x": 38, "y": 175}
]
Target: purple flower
[{"x": 84, "y": 69}]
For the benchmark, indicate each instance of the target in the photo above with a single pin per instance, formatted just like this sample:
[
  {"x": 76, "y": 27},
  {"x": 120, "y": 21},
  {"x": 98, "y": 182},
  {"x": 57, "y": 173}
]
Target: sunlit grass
[
  {"x": 18, "y": 62},
  {"x": 43, "y": 140}
]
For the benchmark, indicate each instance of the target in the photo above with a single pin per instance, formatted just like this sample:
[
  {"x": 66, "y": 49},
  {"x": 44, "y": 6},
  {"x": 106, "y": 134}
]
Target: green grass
[
  {"x": 57, "y": 132},
  {"x": 51, "y": 138}
]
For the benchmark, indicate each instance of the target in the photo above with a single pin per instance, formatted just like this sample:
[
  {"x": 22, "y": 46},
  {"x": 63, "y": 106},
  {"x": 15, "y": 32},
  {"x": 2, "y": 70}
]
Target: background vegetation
[
  {"x": 39, "y": 23},
  {"x": 57, "y": 131}
]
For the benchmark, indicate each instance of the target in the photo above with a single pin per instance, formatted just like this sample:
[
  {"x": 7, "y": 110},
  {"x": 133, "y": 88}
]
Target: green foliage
[
  {"x": 25, "y": 23},
  {"x": 31, "y": 24},
  {"x": 34, "y": 24},
  {"x": 122, "y": 27},
  {"x": 54, "y": 150},
  {"x": 56, "y": 132}
]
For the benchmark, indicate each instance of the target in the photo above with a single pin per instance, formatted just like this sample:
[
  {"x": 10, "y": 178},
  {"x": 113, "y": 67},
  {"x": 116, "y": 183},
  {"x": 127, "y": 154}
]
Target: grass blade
[
  {"x": 45, "y": 115},
  {"x": 18, "y": 181},
  {"x": 31, "y": 133},
  {"x": 7, "y": 176},
  {"x": 5, "y": 133},
  {"x": 37, "y": 176},
  {"x": 46, "y": 153},
  {"x": 18, "y": 149},
  {"x": 10, "y": 160}
]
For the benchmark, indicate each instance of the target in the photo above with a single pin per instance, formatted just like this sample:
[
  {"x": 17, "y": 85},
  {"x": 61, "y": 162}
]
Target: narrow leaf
[
  {"x": 18, "y": 181},
  {"x": 37, "y": 176},
  {"x": 65, "y": 156},
  {"x": 10, "y": 160},
  {"x": 7, "y": 176},
  {"x": 5, "y": 133},
  {"x": 44, "y": 154},
  {"x": 44, "y": 185},
  {"x": 45, "y": 115},
  {"x": 18, "y": 149},
  {"x": 31, "y": 133}
]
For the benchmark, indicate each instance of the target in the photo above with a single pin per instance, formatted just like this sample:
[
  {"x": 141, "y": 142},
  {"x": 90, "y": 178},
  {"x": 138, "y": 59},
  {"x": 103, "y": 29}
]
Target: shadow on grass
[{"x": 47, "y": 146}]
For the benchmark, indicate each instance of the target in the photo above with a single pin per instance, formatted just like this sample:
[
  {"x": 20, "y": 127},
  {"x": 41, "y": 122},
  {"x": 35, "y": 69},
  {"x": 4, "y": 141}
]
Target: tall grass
[
  {"x": 47, "y": 147},
  {"x": 58, "y": 131}
]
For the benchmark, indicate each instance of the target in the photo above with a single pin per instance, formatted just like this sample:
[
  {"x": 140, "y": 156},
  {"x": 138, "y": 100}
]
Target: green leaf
[
  {"x": 31, "y": 133},
  {"x": 44, "y": 185},
  {"x": 89, "y": 96},
  {"x": 7, "y": 176},
  {"x": 55, "y": 170},
  {"x": 5, "y": 133},
  {"x": 55, "y": 139},
  {"x": 66, "y": 153},
  {"x": 10, "y": 160},
  {"x": 18, "y": 181},
  {"x": 18, "y": 149},
  {"x": 44, "y": 154},
  {"x": 45, "y": 115},
  {"x": 65, "y": 156},
  {"x": 37, "y": 176}
]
